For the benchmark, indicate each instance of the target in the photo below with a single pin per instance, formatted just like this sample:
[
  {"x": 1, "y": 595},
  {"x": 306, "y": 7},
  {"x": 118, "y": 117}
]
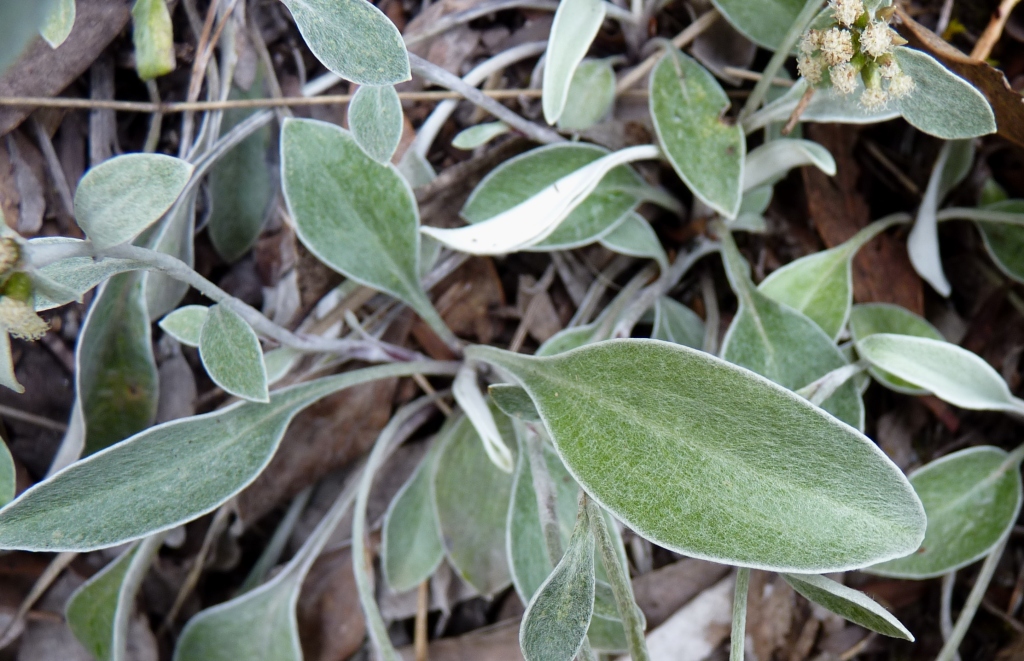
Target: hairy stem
[
  {"x": 963, "y": 622},
  {"x": 739, "y": 615}
]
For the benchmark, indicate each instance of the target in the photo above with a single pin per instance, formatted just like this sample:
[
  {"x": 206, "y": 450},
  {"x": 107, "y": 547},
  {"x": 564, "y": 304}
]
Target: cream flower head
[
  {"x": 20, "y": 320},
  {"x": 844, "y": 78},
  {"x": 876, "y": 40},
  {"x": 837, "y": 46},
  {"x": 846, "y": 12}
]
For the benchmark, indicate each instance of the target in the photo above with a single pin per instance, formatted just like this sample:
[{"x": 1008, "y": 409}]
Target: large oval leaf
[
  {"x": 119, "y": 198},
  {"x": 231, "y": 354},
  {"x": 356, "y": 215},
  {"x": 353, "y": 39},
  {"x": 523, "y": 176},
  {"x": 943, "y": 104},
  {"x": 872, "y": 318},
  {"x": 778, "y": 342},
  {"x": 972, "y": 499},
  {"x": 713, "y": 461},
  {"x": 168, "y": 474},
  {"x": 706, "y": 149}
]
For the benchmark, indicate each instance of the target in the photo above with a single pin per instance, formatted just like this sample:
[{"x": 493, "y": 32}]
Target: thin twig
[
  {"x": 801, "y": 106},
  {"x": 747, "y": 74},
  {"x": 994, "y": 30},
  {"x": 60, "y": 180},
  {"x": 691, "y": 32},
  {"x": 217, "y": 526},
  {"x": 420, "y": 630},
  {"x": 31, "y": 418}
]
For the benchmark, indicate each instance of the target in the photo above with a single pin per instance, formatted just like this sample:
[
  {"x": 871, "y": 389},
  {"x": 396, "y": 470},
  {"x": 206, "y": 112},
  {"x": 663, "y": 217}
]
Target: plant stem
[
  {"x": 963, "y": 622},
  {"x": 547, "y": 503},
  {"x": 760, "y": 90},
  {"x": 739, "y": 615},
  {"x": 621, "y": 587}
]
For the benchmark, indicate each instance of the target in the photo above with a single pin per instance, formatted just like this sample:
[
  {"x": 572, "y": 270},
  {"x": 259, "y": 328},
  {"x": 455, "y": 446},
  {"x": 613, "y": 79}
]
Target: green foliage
[
  {"x": 872, "y": 318},
  {"x": 153, "y": 35},
  {"x": 590, "y": 97},
  {"x": 58, "y": 23},
  {"x": 411, "y": 547},
  {"x": 8, "y": 477},
  {"x": 575, "y": 26},
  {"x": 479, "y": 135},
  {"x": 765, "y": 22},
  {"x": 848, "y": 603},
  {"x": 232, "y": 355},
  {"x": 186, "y": 324},
  {"x": 375, "y": 119}
]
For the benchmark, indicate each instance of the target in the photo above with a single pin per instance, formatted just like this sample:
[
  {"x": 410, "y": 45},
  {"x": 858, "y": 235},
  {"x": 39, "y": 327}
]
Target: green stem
[
  {"x": 621, "y": 587},
  {"x": 760, "y": 90},
  {"x": 739, "y": 615},
  {"x": 963, "y": 622}
]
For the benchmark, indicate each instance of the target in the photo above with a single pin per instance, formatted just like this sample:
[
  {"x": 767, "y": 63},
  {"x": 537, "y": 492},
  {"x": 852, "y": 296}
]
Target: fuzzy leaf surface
[
  {"x": 411, "y": 547},
  {"x": 375, "y": 119},
  {"x": 232, "y": 355},
  {"x": 850, "y": 604},
  {"x": 186, "y": 324},
  {"x": 872, "y": 318},
  {"x": 575, "y": 25}
]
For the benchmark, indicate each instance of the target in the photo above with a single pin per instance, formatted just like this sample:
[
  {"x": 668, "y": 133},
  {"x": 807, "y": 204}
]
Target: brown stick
[
  {"x": 993, "y": 30},
  {"x": 801, "y": 106}
]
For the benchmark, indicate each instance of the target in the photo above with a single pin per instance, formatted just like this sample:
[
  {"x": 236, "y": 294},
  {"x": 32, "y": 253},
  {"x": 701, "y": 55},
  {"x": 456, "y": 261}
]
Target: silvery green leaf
[
  {"x": 279, "y": 362},
  {"x": 261, "y": 623},
  {"x": 942, "y": 103},
  {"x": 69, "y": 279},
  {"x": 591, "y": 95},
  {"x": 674, "y": 322},
  {"x": 756, "y": 200},
  {"x": 769, "y": 163},
  {"x": 520, "y": 178},
  {"x": 472, "y": 502},
  {"x": 1004, "y": 241},
  {"x": 353, "y": 39},
  {"x": 118, "y": 199},
  {"x": 99, "y": 611},
  {"x": 972, "y": 498},
  {"x": 635, "y": 237},
  {"x": 116, "y": 376},
  {"x": 568, "y": 338},
  {"x": 820, "y": 285},
  {"x": 748, "y": 222},
  {"x": 537, "y": 218},
  {"x": 153, "y": 36},
  {"x": 411, "y": 547},
  {"x": 826, "y": 106},
  {"x": 174, "y": 236},
  {"x": 469, "y": 398},
  {"x": 848, "y": 603},
  {"x": 416, "y": 169},
  {"x": 574, "y": 28},
  {"x": 58, "y": 23},
  {"x": 923, "y": 242},
  {"x": 242, "y": 183},
  {"x": 479, "y": 135},
  {"x": 186, "y": 324},
  {"x": 168, "y": 474},
  {"x": 375, "y": 119},
  {"x": 871, "y": 318},
  {"x": 8, "y": 481},
  {"x": 706, "y": 150},
  {"x": 951, "y": 373},
  {"x": 513, "y": 401},
  {"x": 7, "y": 377},
  {"x": 765, "y": 22},
  {"x": 782, "y": 344},
  {"x": 356, "y": 215},
  {"x": 557, "y": 618},
  {"x": 232, "y": 355},
  {"x": 745, "y": 467},
  {"x": 19, "y": 22}
]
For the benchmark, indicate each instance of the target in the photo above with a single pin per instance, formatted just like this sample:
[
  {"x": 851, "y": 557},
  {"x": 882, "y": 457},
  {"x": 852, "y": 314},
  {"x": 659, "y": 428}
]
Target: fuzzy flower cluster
[
  {"x": 17, "y": 316},
  {"x": 856, "y": 45}
]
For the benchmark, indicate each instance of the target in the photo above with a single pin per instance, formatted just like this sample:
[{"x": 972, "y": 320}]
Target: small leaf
[
  {"x": 118, "y": 199},
  {"x": 232, "y": 355},
  {"x": 356, "y": 215},
  {"x": 8, "y": 477},
  {"x": 769, "y": 163},
  {"x": 635, "y": 237},
  {"x": 116, "y": 375},
  {"x": 469, "y": 398},
  {"x": 972, "y": 499},
  {"x": 186, "y": 324},
  {"x": 722, "y": 464},
  {"x": 375, "y": 119},
  {"x": 820, "y": 285},
  {"x": 949, "y": 372},
  {"x": 99, "y": 611},
  {"x": 520, "y": 178},
  {"x": 706, "y": 150},
  {"x": 850, "y": 604},
  {"x": 353, "y": 39},
  {"x": 513, "y": 401},
  {"x": 765, "y": 22},
  {"x": 872, "y": 318},
  {"x": 567, "y": 339},
  {"x": 153, "y": 36},
  {"x": 411, "y": 547},
  {"x": 1005, "y": 242},
  {"x": 576, "y": 24},
  {"x": 591, "y": 95},
  {"x": 69, "y": 279},
  {"x": 556, "y": 620},
  {"x": 169, "y": 474},
  {"x": 943, "y": 104},
  {"x": 537, "y": 218},
  {"x": 782, "y": 344},
  {"x": 479, "y": 135},
  {"x": 59, "y": 22},
  {"x": 242, "y": 184},
  {"x": 472, "y": 503},
  {"x": 674, "y": 322}
]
